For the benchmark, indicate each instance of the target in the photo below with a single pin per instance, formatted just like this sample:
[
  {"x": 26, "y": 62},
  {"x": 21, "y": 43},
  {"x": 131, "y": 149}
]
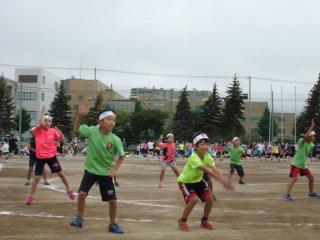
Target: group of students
[{"x": 194, "y": 181}]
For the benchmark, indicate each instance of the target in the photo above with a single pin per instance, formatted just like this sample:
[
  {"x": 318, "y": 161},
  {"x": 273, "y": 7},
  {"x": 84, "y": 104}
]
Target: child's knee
[
  {"x": 82, "y": 195},
  {"x": 37, "y": 178}
]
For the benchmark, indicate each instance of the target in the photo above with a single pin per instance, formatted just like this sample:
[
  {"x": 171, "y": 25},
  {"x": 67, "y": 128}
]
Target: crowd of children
[{"x": 105, "y": 154}]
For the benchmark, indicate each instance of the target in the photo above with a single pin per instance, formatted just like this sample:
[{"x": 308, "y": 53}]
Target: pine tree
[
  {"x": 61, "y": 111},
  {"x": 211, "y": 115},
  {"x": 311, "y": 110},
  {"x": 26, "y": 119},
  {"x": 233, "y": 111},
  {"x": 182, "y": 120},
  {"x": 93, "y": 114},
  {"x": 263, "y": 125},
  {"x": 6, "y": 108}
]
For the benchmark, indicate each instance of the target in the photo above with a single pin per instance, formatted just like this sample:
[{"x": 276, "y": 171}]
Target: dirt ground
[{"x": 252, "y": 211}]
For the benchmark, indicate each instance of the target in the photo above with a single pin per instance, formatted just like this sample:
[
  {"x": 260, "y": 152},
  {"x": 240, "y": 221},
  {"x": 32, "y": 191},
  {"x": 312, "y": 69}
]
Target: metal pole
[
  {"x": 153, "y": 97},
  {"x": 272, "y": 120},
  {"x": 171, "y": 108},
  {"x": 282, "y": 124},
  {"x": 249, "y": 112},
  {"x": 20, "y": 114},
  {"x": 96, "y": 84},
  {"x": 270, "y": 116},
  {"x": 295, "y": 113}
]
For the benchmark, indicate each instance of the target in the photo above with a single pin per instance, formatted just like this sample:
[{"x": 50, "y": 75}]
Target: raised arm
[
  {"x": 43, "y": 111},
  {"x": 159, "y": 140},
  {"x": 82, "y": 111},
  {"x": 310, "y": 129},
  {"x": 61, "y": 135}
]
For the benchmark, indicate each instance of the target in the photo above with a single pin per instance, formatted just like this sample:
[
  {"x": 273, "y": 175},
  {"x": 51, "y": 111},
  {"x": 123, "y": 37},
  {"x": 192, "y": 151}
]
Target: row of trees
[{"x": 220, "y": 120}]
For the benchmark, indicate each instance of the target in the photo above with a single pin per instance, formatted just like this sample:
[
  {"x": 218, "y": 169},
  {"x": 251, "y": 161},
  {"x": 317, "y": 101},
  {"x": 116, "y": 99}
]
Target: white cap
[
  {"x": 169, "y": 135},
  {"x": 106, "y": 114},
  {"x": 312, "y": 133},
  {"x": 235, "y": 139},
  {"x": 199, "y": 137}
]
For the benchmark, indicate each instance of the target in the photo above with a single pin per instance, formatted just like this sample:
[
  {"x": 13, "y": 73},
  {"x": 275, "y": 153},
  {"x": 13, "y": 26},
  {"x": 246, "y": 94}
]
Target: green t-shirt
[
  {"x": 191, "y": 173},
  {"x": 235, "y": 154},
  {"x": 301, "y": 156},
  {"x": 181, "y": 146},
  {"x": 101, "y": 150}
]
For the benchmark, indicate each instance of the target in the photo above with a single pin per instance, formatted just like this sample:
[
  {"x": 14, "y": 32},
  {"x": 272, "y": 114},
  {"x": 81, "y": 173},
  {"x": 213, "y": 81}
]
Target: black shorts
[
  {"x": 239, "y": 169},
  {"x": 53, "y": 164},
  {"x": 32, "y": 159},
  {"x": 106, "y": 185},
  {"x": 191, "y": 190}
]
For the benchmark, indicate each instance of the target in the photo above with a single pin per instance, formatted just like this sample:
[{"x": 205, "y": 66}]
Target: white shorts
[{"x": 172, "y": 164}]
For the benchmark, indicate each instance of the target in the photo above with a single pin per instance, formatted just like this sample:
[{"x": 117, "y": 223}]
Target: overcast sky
[{"x": 272, "y": 38}]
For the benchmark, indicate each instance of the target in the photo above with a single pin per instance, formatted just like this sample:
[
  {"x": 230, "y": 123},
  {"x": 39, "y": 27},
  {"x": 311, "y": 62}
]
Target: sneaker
[
  {"x": 46, "y": 183},
  {"x": 31, "y": 200},
  {"x": 313, "y": 195},
  {"x": 160, "y": 184},
  {"x": 287, "y": 197},
  {"x": 115, "y": 228},
  {"x": 241, "y": 182},
  {"x": 70, "y": 194},
  {"x": 77, "y": 222},
  {"x": 27, "y": 183},
  {"x": 207, "y": 225},
  {"x": 183, "y": 225}
]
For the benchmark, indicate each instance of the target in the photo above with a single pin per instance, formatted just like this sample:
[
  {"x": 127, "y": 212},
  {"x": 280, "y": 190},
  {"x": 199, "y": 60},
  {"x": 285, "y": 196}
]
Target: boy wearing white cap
[
  {"x": 100, "y": 164},
  {"x": 168, "y": 156},
  {"x": 192, "y": 184},
  {"x": 236, "y": 153},
  {"x": 299, "y": 164}
]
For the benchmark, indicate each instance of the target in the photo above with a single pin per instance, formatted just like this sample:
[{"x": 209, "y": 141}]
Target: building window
[
  {"x": 33, "y": 114},
  {"x": 43, "y": 79},
  {"x": 28, "y": 78},
  {"x": 56, "y": 85},
  {"x": 27, "y": 96},
  {"x": 42, "y": 96}
]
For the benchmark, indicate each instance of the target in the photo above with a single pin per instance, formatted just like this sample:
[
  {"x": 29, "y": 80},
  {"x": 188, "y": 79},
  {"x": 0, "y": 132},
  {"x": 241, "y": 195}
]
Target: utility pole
[
  {"x": 282, "y": 124},
  {"x": 153, "y": 97},
  {"x": 249, "y": 112},
  {"x": 272, "y": 120},
  {"x": 20, "y": 113},
  {"x": 270, "y": 114},
  {"x": 295, "y": 113}
]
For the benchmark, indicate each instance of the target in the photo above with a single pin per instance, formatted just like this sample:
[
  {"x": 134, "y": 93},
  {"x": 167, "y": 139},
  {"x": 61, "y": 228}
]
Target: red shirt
[
  {"x": 46, "y": 145},
  {"x": 168, "y": 152}
]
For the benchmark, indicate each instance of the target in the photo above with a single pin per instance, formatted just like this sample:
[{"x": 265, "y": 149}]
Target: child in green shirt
[
  {"x": 193, "y": 185},
  {"x": 100, "y": 165}
]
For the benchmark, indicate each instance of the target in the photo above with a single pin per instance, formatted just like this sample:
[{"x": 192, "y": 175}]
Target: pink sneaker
[
  {"x": 207, "y": 225},
  {"x": 160, "y": 184},
  {"x": 31, "y": 200},
  {"x": 183, "y": 226},
  {"x": 71, "y": 194}
]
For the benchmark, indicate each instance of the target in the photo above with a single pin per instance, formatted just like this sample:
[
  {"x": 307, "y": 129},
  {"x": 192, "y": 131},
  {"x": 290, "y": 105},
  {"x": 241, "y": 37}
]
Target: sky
[{"x": 276, "y": 39}]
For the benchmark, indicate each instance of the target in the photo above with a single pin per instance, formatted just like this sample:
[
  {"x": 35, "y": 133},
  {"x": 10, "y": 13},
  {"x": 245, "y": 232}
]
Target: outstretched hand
[{"x": 82, "y": 110}]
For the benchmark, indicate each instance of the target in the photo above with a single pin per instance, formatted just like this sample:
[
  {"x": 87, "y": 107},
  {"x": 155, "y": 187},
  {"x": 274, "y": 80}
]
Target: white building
[{"x": 35, "y": 88}]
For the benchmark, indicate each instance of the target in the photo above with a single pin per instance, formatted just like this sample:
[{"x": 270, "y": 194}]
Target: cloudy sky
[{"x": 271, "y": 39}]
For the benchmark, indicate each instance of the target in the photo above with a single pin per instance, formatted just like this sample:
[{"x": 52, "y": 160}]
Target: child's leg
[
  {"x": 29, "y": 173},
  {"x": 81, "y": 203},
  {"x": 45, "y": 175},
  {"x": 176, "y": 171},
  {"x": 231, "y": 172},
  {"x": 188, "y": 208},
  {"x": 112, "y": 211},
  {"x": 64, "y": 179},
  {"x": 162, "y": 172},
  {"x": 311, "y": 182},
  {"x": 292, "y": 181},
  {"x": 34, "y": 184},
  {"x": 207, "y": 207}
]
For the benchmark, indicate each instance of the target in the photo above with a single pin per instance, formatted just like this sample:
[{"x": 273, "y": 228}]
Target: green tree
[
  {"x": 26, "y": 119},
  {"x": 60, "y": 111},
  {"x": 92, "y": 117},
  {"x": 6, "y": 107},
  {"x": 263, "y": 125},
  {"x": 211, "y": 117},
  {"x": 311, "y": 110},
  {"x": 233, "y": 111},
  {"x": 182, "y": 120}
]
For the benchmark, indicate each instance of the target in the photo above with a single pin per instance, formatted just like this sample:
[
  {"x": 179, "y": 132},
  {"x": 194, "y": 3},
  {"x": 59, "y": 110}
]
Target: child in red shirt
[
  {"x": 168, "y": 156},
  {"x": 46, "y": 151}
]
